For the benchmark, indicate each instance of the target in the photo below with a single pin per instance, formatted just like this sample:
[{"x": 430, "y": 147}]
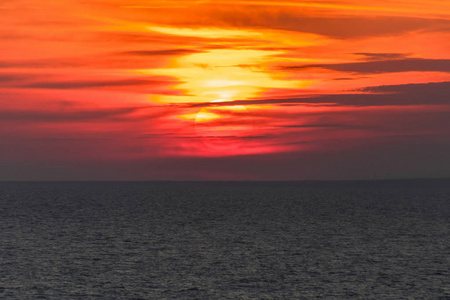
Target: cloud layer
[{"x": 246, "y": 89}]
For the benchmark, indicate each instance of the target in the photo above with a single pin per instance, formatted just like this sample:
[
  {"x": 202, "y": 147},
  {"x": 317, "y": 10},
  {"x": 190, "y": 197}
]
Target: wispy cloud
[
  {"x": 382, "y": 56},
  {"x": 389, "y": 95},
  {"x": 92, "y": 84},
  {"x": 384, "y": 66},
  {"x": 72, "y": 115},
  {"x": 169, "y": 52}
]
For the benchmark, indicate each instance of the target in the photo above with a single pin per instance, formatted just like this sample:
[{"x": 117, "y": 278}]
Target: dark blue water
[{"x": 224, "y": 241}]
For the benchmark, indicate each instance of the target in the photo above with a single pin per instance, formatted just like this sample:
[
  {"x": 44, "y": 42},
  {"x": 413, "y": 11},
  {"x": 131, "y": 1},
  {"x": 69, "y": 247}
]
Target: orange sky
[{"x": 271, "y": 90}]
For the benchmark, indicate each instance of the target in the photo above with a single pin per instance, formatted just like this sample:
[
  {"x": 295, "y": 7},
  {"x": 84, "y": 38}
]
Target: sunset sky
[{"x": 224, "y": 90}]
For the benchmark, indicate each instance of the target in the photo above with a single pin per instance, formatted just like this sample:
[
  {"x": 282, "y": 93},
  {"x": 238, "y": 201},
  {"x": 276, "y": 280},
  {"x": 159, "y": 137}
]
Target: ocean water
[{"x": 162, "y": 240}]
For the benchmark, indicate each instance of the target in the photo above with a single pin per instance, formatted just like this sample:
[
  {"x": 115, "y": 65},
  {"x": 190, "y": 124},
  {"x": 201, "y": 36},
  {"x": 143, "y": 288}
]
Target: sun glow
[
  {"x": 226, "y": 74},
  {"x": 229, "y": 74},
  {"x": 223, "y": 128},
  {"x": 206, "y": 116}
]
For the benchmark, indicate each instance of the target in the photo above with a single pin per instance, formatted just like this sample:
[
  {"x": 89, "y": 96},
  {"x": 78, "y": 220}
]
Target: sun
[{"x": 223, "y": 126}]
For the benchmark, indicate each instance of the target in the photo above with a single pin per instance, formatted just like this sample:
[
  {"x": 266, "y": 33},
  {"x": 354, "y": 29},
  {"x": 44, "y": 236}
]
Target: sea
[{"x": 225, "y": 240}]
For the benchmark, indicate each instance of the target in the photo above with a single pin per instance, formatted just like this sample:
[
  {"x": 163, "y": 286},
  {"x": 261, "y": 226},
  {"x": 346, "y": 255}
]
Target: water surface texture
[{"x": 228, "y": 240}]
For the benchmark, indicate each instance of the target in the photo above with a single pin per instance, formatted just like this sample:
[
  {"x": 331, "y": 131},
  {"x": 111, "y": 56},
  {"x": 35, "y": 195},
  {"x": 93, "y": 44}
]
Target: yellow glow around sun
[
  {"x": 219, "y": 112},
  {"x": 202, "y": 116},
  {"x": 230, "y": 73},
  {"x": 206, "y": 116},
  {"x": 223, "y": 74}
]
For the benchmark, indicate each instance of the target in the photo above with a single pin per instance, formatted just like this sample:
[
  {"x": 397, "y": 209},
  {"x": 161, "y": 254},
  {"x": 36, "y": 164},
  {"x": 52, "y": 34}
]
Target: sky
[{"x": 224, "y": 89}]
